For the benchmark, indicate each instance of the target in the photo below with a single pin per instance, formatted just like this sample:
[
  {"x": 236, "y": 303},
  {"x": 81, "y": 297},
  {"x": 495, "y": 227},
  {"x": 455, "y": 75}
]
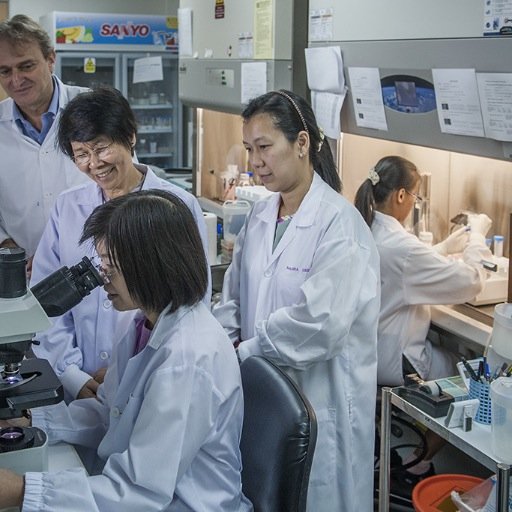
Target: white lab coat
[
  {"x": 166, "y": 424},
  {"x": 80, "y": 341},
  {"x": 311, "y": 306},
  {"x": 414, "y": 276},
  {"x": 32, "y": 175}
]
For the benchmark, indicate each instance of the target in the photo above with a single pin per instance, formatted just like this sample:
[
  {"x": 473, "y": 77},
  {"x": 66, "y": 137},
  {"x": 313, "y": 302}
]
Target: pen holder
[{"x": 481, "y": 391}]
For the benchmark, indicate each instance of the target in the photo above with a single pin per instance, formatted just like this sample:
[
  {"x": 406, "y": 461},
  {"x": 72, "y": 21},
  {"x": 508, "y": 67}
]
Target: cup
[
  {"x": 233, "y": 214},
  {"x": 481, "y": 391},
  {"x": 502, "y": 330}
]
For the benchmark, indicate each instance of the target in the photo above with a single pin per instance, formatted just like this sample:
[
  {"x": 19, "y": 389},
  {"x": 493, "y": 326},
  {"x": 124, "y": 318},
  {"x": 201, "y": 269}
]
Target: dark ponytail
[
  {"x": 292, "y": 114},
  {"x": 389, "y": 174}
]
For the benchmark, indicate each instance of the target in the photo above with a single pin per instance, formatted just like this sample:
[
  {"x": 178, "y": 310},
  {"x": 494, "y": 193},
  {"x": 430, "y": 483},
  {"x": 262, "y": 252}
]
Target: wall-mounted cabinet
[
  {"x": 244, "y": 31},
  {"x": 353, "y": 20}
]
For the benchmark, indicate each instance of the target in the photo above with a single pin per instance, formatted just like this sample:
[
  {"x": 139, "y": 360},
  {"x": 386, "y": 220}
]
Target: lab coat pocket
[
  {"x": 323, "y": 471},
  {"x": 122, "y": 420}
]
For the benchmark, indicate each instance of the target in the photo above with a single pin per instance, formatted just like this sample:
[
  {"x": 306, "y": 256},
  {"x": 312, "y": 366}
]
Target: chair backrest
[{"x": 278, "y": 438}]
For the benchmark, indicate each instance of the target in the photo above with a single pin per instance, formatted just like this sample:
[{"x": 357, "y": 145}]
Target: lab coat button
[
  {"x": 268, "y": 273},
  {"x": 116, "y": 412},
  {"x": 103, "y": 355},
  {"x": 107, "y": 304}
]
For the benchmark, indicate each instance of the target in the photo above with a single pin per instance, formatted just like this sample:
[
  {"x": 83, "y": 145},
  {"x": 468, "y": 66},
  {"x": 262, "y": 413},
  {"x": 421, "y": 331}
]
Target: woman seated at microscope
[{"x": 166, "y": 422}]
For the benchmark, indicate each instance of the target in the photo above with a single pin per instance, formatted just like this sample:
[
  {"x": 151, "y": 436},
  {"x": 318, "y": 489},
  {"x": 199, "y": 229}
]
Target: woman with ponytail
[
  {"x": 413, "y": 277},
  {"x": 413, "y": 274},
  {"x": 303, "y": 291}
]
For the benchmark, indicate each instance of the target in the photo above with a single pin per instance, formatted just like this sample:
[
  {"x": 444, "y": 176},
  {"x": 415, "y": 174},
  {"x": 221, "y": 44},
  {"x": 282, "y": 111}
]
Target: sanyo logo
[{"x": 127, "y": 30}]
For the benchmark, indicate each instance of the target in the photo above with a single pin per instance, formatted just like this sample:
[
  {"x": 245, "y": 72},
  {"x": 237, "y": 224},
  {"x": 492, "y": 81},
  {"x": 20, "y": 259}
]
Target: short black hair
[
  {"x": 21, "y": 30},
  {"x": 152, "y": 238},
  {"x": 103, "y": 111}
]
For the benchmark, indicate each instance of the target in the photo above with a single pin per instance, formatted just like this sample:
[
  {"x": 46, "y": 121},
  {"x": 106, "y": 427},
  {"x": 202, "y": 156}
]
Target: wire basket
[{"x": 481, "y": 390}]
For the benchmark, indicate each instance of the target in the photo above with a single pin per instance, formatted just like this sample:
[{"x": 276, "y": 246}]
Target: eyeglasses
[
  {"x": 24, "y": 67},
  {"x": 101, "y": 152},
  {"x": 106, "y": 272},
  {"x": 417, "y": 198}
]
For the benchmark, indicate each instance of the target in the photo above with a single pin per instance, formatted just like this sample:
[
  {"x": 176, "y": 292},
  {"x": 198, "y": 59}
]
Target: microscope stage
[{"x": 44, "y": 389}]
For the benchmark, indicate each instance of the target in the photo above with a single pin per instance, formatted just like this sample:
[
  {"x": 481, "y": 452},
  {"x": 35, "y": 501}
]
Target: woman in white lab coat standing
[
  {"x": 303, "y": 291},
  {"x": 413, "y": 277}
]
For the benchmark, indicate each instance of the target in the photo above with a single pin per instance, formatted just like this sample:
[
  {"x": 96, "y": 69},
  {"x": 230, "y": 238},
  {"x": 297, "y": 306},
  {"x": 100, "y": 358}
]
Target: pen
[
  {"x": 480, "y": 369},
  {"x": 487, "y": 372},
  {"x": 501, "y": 371},
  {"x": 469, "y": 369}
]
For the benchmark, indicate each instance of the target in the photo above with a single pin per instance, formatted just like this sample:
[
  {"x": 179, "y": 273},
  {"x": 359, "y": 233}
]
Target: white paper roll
[{"x": 211, "y": 229}]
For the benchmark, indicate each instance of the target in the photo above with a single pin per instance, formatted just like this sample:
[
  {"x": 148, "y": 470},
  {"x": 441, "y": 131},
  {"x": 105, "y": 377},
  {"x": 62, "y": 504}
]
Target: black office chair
[{"x": 278, "y": 438}]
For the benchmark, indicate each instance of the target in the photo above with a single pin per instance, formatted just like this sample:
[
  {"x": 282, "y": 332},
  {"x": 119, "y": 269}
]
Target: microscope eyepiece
[
  {"x": 66, "y": 287},
  {"x": 13, "y": 276}
]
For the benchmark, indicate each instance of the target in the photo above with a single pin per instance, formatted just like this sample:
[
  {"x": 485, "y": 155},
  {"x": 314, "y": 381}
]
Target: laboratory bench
[
  {"x": 476, "y": 443},
  {"x": 469, "y": 325}
]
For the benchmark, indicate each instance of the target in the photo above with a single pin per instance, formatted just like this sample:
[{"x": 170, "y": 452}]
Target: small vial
[{"x": 498, "y": 246}]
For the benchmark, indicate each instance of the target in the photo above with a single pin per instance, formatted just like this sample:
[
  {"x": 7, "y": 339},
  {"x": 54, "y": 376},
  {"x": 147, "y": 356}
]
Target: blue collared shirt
[{"x": 47, "y": 118}]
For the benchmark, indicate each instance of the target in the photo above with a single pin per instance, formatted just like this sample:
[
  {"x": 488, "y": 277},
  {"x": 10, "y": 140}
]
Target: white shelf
[
  {"x": 475, "y": 443},
  {"x": 154, "y": 155},
  {"x": 158, "y": 106},
  {"x": 154, "y": 130}
]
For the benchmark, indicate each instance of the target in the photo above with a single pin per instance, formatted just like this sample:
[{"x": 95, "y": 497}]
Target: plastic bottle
[
  {"x": 498, "y": 246},
  {"x": 244, "y": 180}
]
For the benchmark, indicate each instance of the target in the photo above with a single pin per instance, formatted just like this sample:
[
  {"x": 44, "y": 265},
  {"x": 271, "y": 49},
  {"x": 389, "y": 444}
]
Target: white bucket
[{"x": 501, "y": 338}]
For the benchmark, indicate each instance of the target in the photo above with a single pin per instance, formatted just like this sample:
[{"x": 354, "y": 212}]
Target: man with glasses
[{"x": 33, "y": 171}]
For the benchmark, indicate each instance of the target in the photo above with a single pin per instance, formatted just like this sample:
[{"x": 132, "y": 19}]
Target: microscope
[{"x": 28, "y": 383}]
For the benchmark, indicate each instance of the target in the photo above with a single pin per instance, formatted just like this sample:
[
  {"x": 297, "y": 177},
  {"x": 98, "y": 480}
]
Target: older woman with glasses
[
  {"x": 414, "y": 276},
  {"x": 98, "y": 132}
]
